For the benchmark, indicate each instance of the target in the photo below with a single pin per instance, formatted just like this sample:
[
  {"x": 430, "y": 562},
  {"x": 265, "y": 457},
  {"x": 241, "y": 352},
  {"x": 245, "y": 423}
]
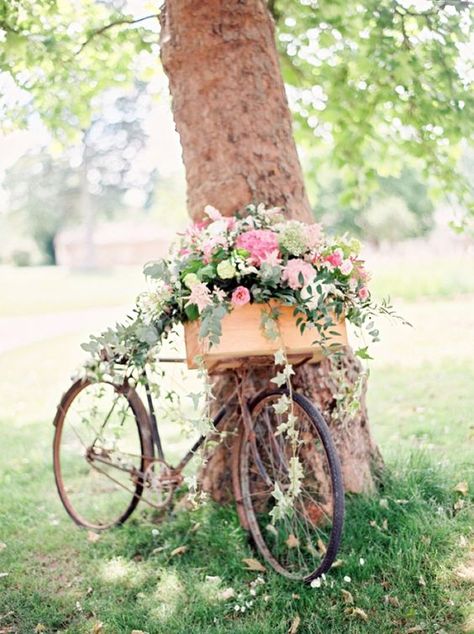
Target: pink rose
[
  {"x": 363, "y": 293},
  {"x": 260, "y": 243},
  {"x": 240, "y": 296},
  {"x": 335, "y": 258},
  {"x": 293, "y": 270}
]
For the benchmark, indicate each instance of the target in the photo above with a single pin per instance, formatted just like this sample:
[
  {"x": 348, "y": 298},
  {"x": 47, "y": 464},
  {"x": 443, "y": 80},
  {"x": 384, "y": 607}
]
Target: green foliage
[
  {"x": 373, "y": 85},
  {"x": 60, "y": 54},
  {"x": 399, "y": 209},
  {"x": 376, "y": 84}
]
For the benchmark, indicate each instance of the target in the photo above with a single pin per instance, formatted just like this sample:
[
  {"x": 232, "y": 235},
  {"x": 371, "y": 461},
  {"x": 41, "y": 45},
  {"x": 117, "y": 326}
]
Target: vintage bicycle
[{"x": 108, "y": 455}]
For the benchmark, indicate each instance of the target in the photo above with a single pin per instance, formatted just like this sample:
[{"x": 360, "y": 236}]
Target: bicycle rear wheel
[
  {"x": 102, "y": 447},
  {"x": 302, "y": 542}
]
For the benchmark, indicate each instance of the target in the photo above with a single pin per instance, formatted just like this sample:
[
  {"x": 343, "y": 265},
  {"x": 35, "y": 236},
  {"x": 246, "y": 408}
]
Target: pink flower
[
  {"x": 210, "y": 244},
  {"x": 293, "y": 270},
  {"x": 363, "y": 293},
  {"x": 212, "y": 212},
  {"x": 346, "y": 267},
  {"x": 240, "y": 296},
  {"x": 313, "y": 235},
  {"x": 335, "y": 258},
  {"x": 363, "y": 273},
  {"x": 200, "y": 295},
  {"x": 260, "y": 243}
]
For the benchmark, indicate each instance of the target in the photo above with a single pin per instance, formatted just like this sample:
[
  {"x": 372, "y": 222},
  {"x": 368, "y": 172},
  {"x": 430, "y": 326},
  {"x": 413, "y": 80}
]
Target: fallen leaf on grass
[
  {"x": 347, "y": 596},
  {"x": 4, "y": 574},
  {"x": 225, "y": 595},
  {"x": 462, "y": 487},
  {"x": 2, "y": 546},
  {"x": 417, "y": 628},
  {"x": 179, "y": 551},
  {"x": 338, "y": 563},
  {"x": 295, "y": 625},
  {"x": 292, "y": 541},
  {"x": 393, "y": 601},
  {"x": 195, "y": 527},
  {"x": 138, "y": 632},
  {"x": 322, "y": 546},
  {"x": 459, "y": 504},
  {"x": 213, "y": 578},
  {"x": 92, "y": 537},
  {"x": 466, "y": 571},
  {"x": 97, "y": 628},
  {"x": 383, "y": 502},
  {"x": 271, "y": 529},
  {"x": 40, "y": 628},
  {"x": 356, "y": 613},
  {"x": 422, "y": 581},
  {"x": 253, "y": 564},
  {"x": 463, "y": 541}
]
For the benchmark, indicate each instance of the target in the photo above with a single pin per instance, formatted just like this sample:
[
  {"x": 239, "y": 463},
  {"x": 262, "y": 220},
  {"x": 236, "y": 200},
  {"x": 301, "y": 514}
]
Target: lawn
[{"x": 405, "y": 561}]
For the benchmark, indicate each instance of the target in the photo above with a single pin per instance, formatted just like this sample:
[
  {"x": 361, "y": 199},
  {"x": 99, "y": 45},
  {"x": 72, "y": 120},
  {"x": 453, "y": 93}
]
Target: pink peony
[
  {"x": 363, "y": 293},
  {"x": 335, "y": 258},
  {"x": 292, "y": 271},
  {"x": 260, "y": 243},
  {"x": 240, "y": 296}
]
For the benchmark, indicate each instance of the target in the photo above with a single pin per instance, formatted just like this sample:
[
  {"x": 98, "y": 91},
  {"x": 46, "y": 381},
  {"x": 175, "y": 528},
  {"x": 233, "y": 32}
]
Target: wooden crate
[{"x": 243, "y": 340}]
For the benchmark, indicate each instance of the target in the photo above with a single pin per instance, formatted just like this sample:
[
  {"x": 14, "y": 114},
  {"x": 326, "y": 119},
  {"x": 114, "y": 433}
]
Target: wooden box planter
[{"x": 243, "y": 341}]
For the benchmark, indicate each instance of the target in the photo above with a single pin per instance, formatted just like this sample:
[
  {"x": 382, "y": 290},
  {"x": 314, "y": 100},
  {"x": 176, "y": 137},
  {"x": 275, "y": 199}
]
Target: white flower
[
  {"x": 347, "y": 579},
  {"x": 226, "y": 270},
  {"x": 346, "y": 267},
  {"x": 217, "y": 228},
  {"x": 190, "y": 280},
  {"x": 212, "y": 212},
  {"x": 316, "y": 583}
]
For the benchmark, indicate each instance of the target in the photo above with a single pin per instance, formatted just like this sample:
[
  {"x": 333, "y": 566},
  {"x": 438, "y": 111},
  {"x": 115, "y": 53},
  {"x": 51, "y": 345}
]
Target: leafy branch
[{"x": 111, "y": 25}]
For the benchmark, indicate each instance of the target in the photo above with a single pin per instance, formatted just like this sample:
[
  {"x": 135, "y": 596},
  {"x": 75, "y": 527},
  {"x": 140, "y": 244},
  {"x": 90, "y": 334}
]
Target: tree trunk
[{"x": 231, "y": 112}]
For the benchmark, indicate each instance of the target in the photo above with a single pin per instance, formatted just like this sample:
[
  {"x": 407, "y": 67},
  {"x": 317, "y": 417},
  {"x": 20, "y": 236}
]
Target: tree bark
[{"x": 232, "y": 115}]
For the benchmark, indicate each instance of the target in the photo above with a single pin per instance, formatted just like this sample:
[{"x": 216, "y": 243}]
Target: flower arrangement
[{"x": 222, "y": 263}]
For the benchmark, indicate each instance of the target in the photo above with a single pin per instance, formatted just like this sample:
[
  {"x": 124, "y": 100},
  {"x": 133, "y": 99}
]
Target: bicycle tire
[
  {"x": 247, "y": 512},
  {"x": 146, "y": 446}
]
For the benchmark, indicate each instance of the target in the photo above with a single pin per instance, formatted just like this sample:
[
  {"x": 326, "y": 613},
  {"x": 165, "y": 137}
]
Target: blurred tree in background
[
  {"x": 381, "y": 92},
  {"x": 96, "y": 178},
  {"x": 400, "y": 208}
]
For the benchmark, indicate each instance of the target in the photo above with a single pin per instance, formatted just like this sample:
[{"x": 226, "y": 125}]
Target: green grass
[
  {"x": 48, "y": 289},
  {"x": 411, "y": 534},
  {"x": 422, "y": 276}
]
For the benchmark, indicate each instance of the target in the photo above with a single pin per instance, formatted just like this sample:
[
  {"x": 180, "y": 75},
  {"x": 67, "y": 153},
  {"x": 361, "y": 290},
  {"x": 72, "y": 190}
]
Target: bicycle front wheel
[
  {"x": 299, "y": 540},
  {"x": 101, "y": 450}
]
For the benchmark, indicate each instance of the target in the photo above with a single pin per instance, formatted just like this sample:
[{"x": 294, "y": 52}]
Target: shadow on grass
[{"x": 395, "y": 572}]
